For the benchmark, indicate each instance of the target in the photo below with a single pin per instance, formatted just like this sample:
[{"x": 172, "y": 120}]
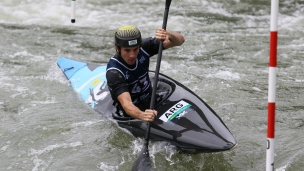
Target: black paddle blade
[{"x": 143, "y": 161}]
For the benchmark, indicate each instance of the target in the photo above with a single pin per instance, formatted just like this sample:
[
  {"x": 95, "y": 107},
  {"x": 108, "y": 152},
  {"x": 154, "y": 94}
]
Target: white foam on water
[
  {"x": 283, "y": 168},
  {"x": 299, "y": 81},
  {"x": 96, "y": 14},
  {"x": 58, "y": 12},
  {"x": 163, "y": 147},
  {"x": 55, "y": 74},
  {"x": 105, "y": 167},
  {"x": 4, "y": 147},
  {"x": 40, "y": 164},
  {"x": 225, "y": 75},
  {"x": 22, "y": 53},
  {"x": 27, "y": 56},
  {"x": 34, "y": 152},
  {"x": 86, "y": 123},
  {"x": 21, "y": 91},
  {"x": 34, "y": 12},
  {"x": 155, "y": 148},
  {"x": 48, "y": 101},
  {"x": 256, "y": 89}
]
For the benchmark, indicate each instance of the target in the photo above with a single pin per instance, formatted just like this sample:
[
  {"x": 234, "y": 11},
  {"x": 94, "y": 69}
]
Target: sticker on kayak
[{"x": 176, "y": 111}]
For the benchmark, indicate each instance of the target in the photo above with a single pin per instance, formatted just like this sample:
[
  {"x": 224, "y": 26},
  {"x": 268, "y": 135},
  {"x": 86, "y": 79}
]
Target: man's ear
[{"x": 117, "y": 48}]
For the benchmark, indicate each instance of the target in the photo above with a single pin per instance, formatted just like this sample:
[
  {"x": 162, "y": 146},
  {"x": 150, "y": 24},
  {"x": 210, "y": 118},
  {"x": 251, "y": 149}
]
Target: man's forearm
[
  {"x": 133, "y": 111},
  {"x": 176, "y": 39}
]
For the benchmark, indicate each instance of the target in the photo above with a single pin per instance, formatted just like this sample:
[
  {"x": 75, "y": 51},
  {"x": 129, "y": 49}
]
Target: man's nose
[{"x": 133, "y": 54}]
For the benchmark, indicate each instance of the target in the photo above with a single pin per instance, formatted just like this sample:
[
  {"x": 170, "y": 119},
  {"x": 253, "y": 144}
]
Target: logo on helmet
[{"x": 132, "y": 42}]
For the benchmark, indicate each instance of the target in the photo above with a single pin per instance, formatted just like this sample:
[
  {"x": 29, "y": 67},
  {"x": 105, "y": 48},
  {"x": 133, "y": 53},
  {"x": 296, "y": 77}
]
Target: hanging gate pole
[{"x": 272, "y": 85}]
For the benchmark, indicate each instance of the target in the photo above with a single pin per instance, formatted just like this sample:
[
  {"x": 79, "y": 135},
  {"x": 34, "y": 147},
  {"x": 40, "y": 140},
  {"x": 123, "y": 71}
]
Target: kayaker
[{"x": 127, "y": 71}]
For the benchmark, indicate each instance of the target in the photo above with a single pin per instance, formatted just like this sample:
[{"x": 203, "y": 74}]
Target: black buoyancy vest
[{"x": 137, "y": 78}]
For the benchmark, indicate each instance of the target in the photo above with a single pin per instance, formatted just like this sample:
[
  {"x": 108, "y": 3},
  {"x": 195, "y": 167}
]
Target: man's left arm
[{"x": 170, "y": 39}]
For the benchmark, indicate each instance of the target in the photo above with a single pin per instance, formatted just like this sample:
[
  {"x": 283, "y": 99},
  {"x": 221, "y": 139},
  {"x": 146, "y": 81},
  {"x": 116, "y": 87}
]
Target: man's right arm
[
  {"x": 126, "y": 103},
  {"x": 119, "y": 89}
]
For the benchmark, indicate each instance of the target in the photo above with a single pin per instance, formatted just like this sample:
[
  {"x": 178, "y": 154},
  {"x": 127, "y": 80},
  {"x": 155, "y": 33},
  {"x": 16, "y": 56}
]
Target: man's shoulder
[
  {"x": 150, "y": 45},
  {"x": 113, "y": 72},
  {"x": 149, "y": 41}
]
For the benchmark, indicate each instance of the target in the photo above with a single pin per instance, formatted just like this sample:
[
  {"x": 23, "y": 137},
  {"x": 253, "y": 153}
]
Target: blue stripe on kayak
[{"x": 69, "y": 67}]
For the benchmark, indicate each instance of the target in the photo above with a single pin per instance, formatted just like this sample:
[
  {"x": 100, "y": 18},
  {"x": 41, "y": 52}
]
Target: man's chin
[{"x": 131, "y": 62}]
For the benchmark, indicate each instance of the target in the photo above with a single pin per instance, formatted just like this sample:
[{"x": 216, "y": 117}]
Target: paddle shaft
[{"x": 160, "y": 52}]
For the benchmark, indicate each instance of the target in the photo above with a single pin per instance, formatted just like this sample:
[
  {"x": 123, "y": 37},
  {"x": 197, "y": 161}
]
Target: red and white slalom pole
[{"x": 272, "y": 85}]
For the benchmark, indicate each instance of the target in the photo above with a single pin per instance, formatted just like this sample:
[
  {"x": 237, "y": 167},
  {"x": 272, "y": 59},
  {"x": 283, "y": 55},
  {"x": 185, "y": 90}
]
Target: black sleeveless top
[{"x": 134, "y": 79}]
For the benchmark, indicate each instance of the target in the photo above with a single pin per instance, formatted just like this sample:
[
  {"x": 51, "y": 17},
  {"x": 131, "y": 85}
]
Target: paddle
[{"x": 143, "y": 161}]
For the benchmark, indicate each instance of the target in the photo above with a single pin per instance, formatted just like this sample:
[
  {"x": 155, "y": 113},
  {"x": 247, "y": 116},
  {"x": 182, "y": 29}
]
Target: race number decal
[
  {"x": 176, "y": 111},
  {"x": 141, "y": 85}
]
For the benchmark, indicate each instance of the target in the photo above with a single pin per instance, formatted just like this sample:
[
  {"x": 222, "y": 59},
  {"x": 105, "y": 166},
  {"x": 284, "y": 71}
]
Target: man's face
[{"x": 129, "y": 54}]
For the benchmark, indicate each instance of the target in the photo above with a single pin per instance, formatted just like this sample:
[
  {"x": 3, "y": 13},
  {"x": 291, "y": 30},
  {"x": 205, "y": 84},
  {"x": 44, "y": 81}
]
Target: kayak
[{"x": 183, "y": 119}]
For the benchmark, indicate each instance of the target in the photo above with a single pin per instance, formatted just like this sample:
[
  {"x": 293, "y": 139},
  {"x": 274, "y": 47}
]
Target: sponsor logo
[
  {"x": 181, "y": 114},
  {"x": 142, "y": 59},
  {"x": 127, "y": 75},
  {"x": 132, "y": 42},
  {"x": 176, "y": 111}
]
